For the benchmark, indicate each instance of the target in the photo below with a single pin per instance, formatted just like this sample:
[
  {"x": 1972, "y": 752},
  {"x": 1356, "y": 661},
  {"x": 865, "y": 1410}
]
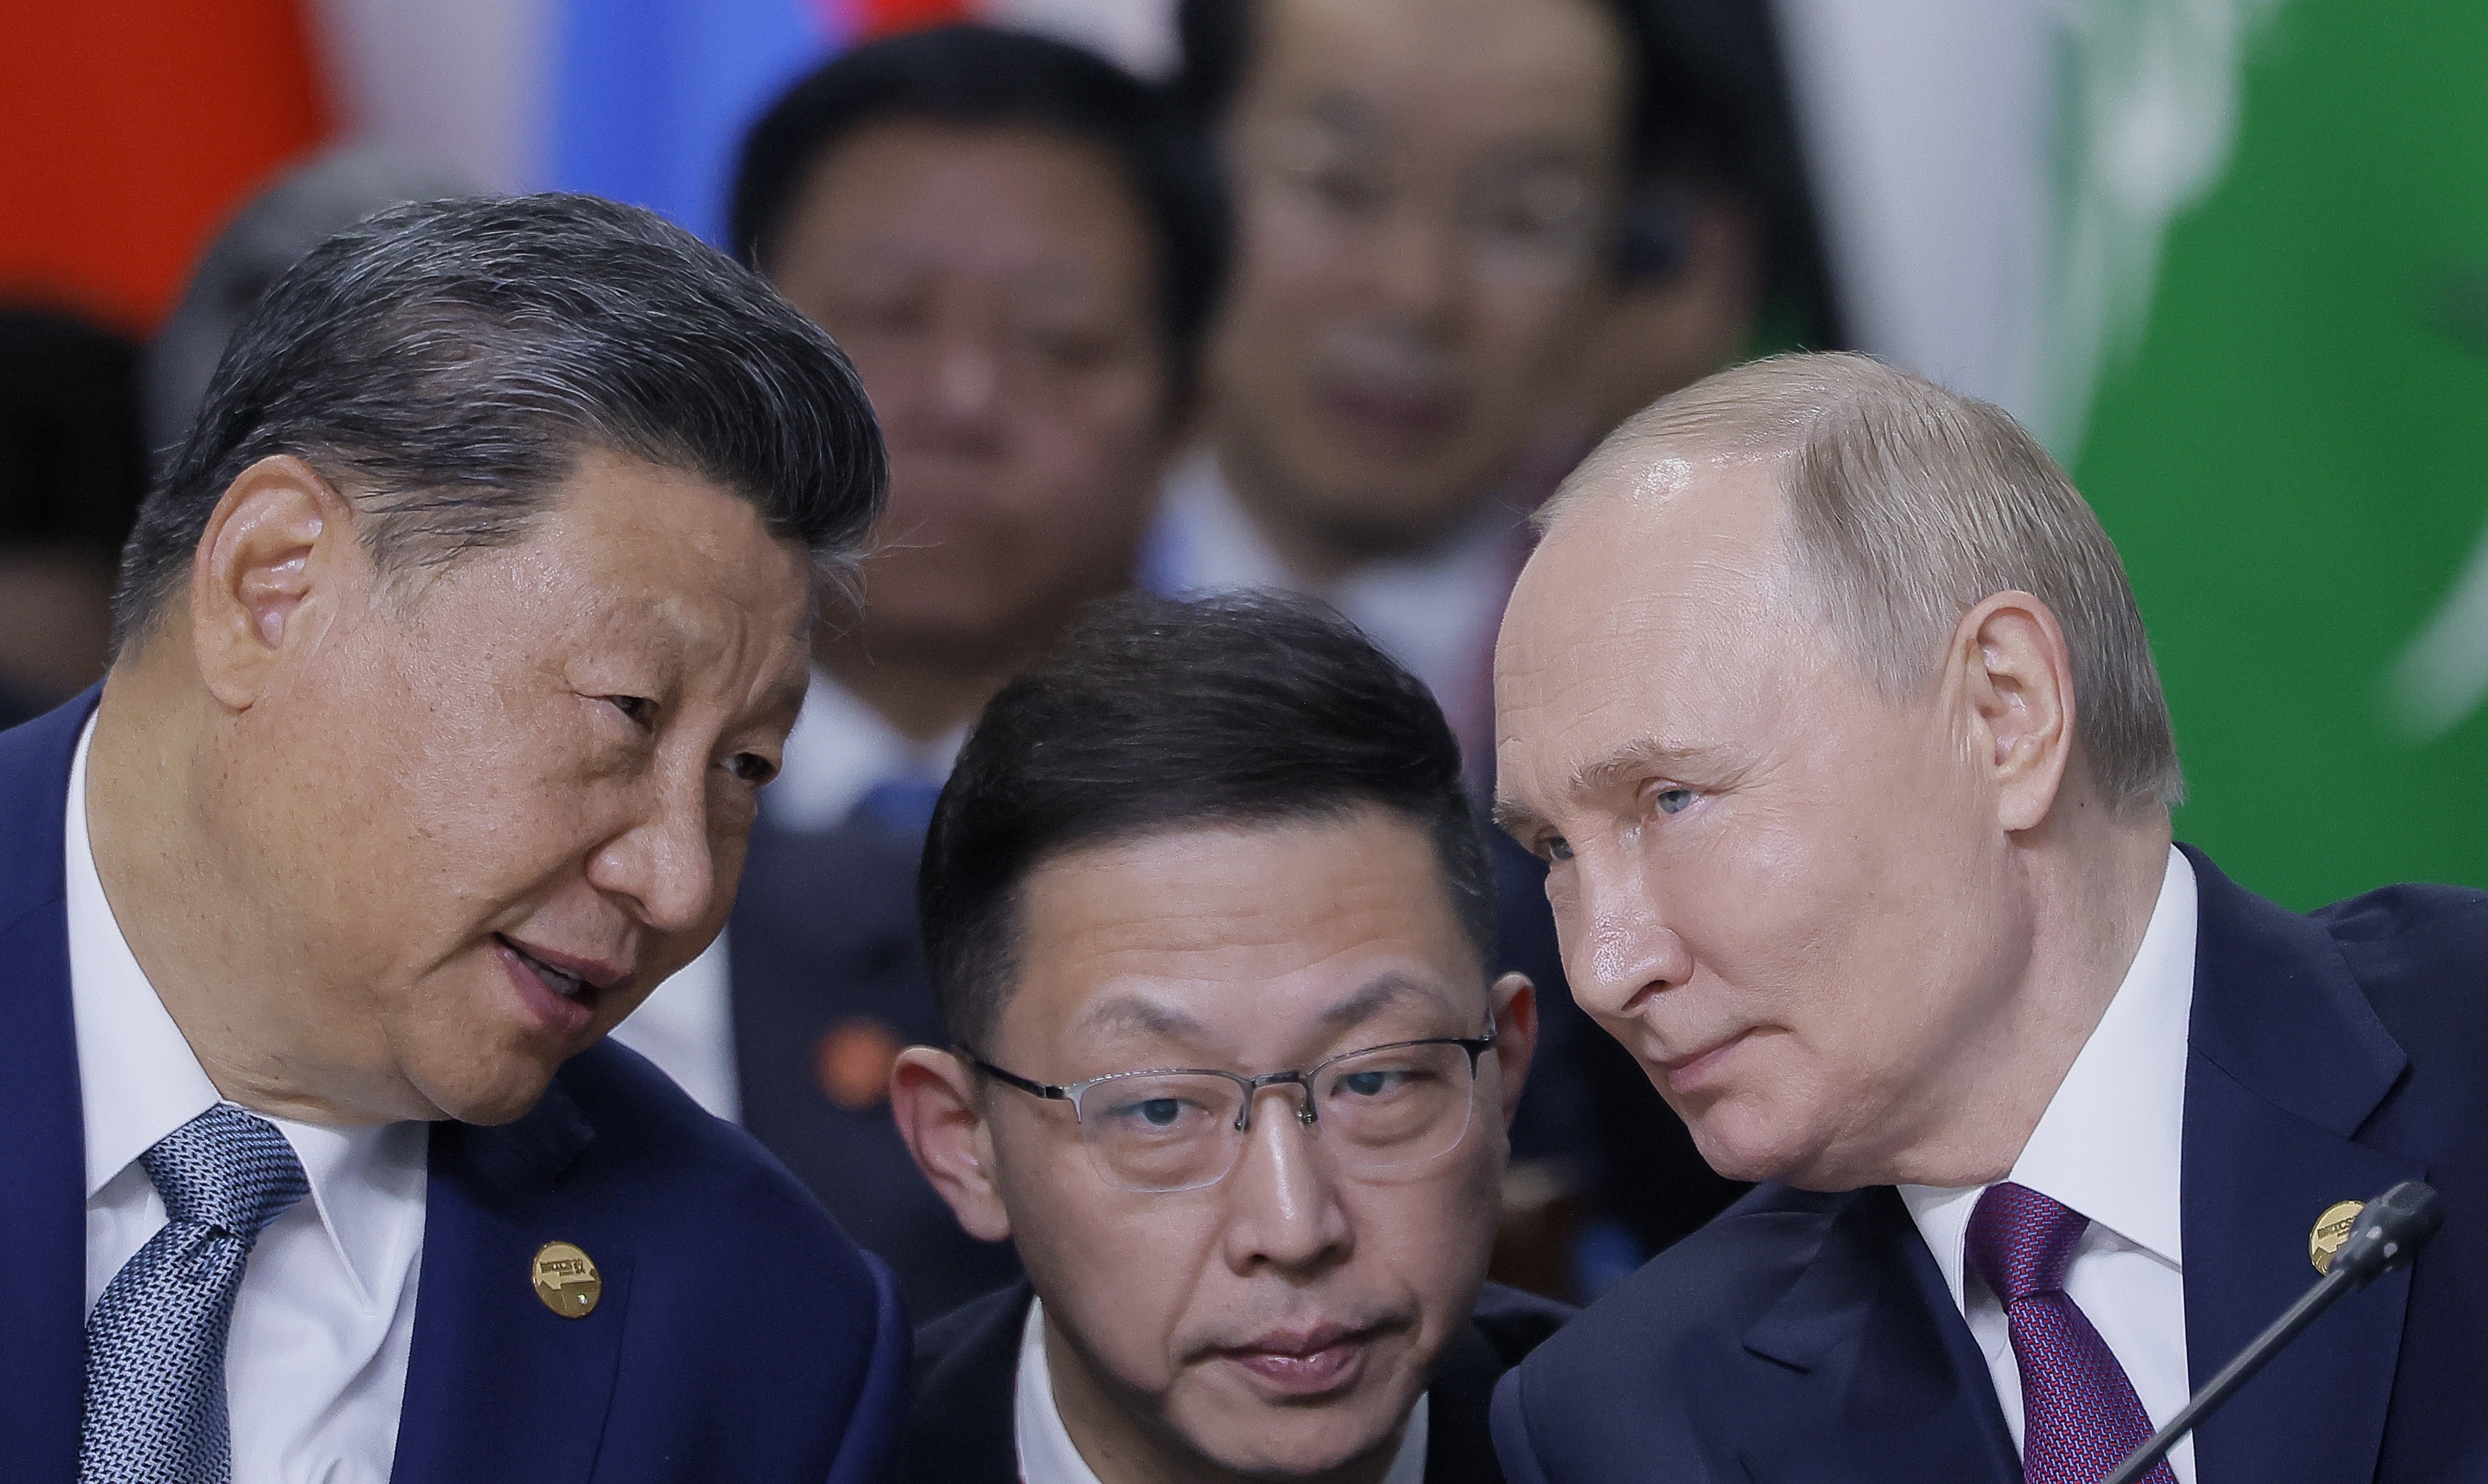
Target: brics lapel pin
[
  {"x": 566, "y": 1280},
  {"x": 2331, "y": 1230}
]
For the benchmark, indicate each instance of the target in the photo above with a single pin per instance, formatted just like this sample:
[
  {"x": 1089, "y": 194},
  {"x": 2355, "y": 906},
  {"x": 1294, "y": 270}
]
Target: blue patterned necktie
[
  {"x": 155, "y": 1342},
  {"x": 2081, "y": 1416}
]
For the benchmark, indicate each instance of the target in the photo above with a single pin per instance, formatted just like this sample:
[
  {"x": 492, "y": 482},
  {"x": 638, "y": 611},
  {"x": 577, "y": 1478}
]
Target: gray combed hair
[{"x": 1909, "y": 505}]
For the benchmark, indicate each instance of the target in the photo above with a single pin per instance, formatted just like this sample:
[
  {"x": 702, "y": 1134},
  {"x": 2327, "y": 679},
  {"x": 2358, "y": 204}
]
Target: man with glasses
[{"x": 1209, "y": 915}]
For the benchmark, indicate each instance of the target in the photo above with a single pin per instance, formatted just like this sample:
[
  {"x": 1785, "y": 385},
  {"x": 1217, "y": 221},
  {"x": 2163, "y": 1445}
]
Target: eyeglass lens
[{"x": 1376, "y": 1110}]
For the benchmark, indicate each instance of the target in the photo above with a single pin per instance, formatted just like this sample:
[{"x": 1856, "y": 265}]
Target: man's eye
[
  {"x": 639, "y": 710},
  {"x": 1672, "y": 801},
  {"x": 751, "y": 768},
  {"x": 1558, "y": 848}
]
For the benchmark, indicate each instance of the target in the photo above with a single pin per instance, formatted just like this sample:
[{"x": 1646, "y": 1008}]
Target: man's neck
[
  {"x": 1317, "y": 555},
  {"x": 1120, "y": 1450},
  {"x": 922, "y": 702}
]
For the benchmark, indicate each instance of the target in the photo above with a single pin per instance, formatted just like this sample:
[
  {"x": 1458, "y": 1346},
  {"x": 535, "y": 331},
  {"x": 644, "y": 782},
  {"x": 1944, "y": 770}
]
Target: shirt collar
[
  {"x": 2110, "y": 1141},
  {"x": 839, "y": 749},
  {"x": 138, "y": 1079},
  {"x": 1048, "y": 1456}
]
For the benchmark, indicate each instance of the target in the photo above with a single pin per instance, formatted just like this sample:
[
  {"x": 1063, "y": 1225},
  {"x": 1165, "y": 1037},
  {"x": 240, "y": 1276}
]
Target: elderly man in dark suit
[
  {"x": 450, "y": 657},
  {"x": 1211, "y": 917},
  {"x": 1828, "y": 703}
]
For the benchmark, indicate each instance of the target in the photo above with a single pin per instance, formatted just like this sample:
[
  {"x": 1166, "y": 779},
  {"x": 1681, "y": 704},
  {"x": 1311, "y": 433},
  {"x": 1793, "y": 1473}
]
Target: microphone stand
[{"x": 2389, "y": 1229}]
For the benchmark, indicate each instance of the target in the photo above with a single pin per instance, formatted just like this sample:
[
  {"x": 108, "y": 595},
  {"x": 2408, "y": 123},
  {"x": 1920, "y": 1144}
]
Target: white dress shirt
[
  {"x": 1047, "y": 1454},
  {"x": 315, "y": 1364},
  {"x": 1435, "y": 613},
  {"x": 839, "y": 750},
  {"x": 2109, "y": 1147}
]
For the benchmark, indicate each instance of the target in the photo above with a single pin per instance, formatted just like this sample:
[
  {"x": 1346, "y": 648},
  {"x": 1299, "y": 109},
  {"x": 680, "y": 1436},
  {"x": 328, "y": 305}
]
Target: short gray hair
[{"x": 1908, "y": 506}]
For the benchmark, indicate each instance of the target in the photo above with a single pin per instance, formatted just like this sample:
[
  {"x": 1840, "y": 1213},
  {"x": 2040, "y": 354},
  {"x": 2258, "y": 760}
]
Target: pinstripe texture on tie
[{"x": 155, "y": 1342}]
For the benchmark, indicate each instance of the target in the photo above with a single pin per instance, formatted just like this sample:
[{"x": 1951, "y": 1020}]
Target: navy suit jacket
[
  {"x": 740, "y": 1335},
  {"x": 962, "y": 1430},
  {"x": 1809, "y": 1337}
]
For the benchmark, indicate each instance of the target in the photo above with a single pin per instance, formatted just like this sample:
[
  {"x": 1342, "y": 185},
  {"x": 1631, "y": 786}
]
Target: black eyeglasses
[{"x": 1387, "y": 1108}]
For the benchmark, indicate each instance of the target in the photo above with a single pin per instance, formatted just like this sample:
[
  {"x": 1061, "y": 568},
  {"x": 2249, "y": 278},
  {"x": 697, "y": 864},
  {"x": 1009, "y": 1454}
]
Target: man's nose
[
  {"x": 964, "y": 394},
  {"x": 664, "y": 864},
  {"x": 1421, "y": 264},
  {"x": 1283, "y": 1200},
  {"x": 1618, "y": 944}
]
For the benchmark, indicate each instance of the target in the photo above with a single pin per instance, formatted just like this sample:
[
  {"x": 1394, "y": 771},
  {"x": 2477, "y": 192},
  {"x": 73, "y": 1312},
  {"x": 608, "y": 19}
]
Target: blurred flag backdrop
[{"x": 2229, "y": 257}]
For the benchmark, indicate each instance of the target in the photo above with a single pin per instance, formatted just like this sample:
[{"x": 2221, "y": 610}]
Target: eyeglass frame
[{"x": 1308, "y": 1110}]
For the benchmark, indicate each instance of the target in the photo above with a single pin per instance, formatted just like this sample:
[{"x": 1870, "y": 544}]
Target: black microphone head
[{"x": 2389, "y": 1228}]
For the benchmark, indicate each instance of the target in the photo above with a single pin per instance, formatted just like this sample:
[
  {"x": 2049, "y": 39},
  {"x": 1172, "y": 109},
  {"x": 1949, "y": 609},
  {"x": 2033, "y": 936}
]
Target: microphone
[{"x": 2389, "y": 1229}]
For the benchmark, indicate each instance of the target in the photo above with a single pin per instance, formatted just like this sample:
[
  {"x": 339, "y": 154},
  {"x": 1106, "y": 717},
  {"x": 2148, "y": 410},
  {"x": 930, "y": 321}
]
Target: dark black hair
[
  {"x": 1708, "y": 108},
  {"x": 982, "y": 77},
  {"x": 1155, "y": 714},
  {"x": 446, "y": 363}
]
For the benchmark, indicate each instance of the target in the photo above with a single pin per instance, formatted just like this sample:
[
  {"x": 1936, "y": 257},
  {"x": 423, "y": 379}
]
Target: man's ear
[
  {"x": 2016, "y": 690},
  {"x": 276, "y": 564},
  {"x": 1515, "y": 1036},
  {"x": 934, "y": 1098}
]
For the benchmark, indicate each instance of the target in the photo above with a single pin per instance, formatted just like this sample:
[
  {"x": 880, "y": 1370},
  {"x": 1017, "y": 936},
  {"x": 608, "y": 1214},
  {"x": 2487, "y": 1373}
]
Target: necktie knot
[
  {"x": 2020, "y": 1242},
  {"x": 226, "y": 1169}
]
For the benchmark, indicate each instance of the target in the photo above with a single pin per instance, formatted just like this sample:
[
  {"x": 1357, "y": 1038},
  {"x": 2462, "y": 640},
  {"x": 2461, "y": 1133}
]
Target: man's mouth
[
  {"x": 572, "y": 986},
  {"x": 1304, "y": 1363}
]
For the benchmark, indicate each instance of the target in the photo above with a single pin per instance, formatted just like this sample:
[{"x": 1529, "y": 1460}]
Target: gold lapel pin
[
  {"x": 567, "y": 1281},
  {"x": 2331, "y": 1230}
]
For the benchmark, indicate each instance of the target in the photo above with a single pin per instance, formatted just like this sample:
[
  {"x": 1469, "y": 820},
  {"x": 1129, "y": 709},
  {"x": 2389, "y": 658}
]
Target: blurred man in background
[
  {"x": 72, "y": 470},
  {"x": 1014, "y": 243},
  {"x": 1469, "y": 231},
  {"x": 301, "y": 208},
  {"x": 1225, "y": 838}
]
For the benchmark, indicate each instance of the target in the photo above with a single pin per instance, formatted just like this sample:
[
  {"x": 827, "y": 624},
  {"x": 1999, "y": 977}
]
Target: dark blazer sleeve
[{"x": 869, "y": 1453}]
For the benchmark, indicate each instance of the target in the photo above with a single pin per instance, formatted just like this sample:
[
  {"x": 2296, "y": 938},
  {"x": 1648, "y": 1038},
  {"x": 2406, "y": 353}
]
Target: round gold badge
[
  {"x": 566, "y": 1280},
  {"x": 2331, "y": 1229}
]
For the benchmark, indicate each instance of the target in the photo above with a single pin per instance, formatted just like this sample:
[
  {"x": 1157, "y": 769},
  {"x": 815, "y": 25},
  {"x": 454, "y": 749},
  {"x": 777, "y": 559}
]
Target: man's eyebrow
[
  {"x": 1385, "y": 991},
  {"x": 1131, "y": 1012},
  {"x": 1624, "y": 764},
  {"x": 1516, "y": 818}
]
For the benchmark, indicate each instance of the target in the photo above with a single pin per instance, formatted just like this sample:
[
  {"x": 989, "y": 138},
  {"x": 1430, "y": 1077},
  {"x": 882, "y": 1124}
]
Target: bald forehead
[{"x": 1672, "y": 490}]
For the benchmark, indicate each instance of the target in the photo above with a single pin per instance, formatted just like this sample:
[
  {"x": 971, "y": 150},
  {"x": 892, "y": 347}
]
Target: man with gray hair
[{"x": 1828, "y": 703}]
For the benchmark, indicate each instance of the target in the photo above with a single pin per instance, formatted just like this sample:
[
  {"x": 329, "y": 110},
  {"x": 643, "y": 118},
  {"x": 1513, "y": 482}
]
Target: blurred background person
[
  {"x": 1017, "y": 245},
  {"x": 302, "y": 207},
  {"x": 72, "y": 470}
]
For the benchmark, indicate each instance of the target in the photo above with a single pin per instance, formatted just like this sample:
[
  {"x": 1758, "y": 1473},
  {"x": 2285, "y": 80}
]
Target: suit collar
[
  {"x": 1891, "y": 1372},
  {"x": 43, "y": 1165},
  {"x": 2287, "y": 1060}
]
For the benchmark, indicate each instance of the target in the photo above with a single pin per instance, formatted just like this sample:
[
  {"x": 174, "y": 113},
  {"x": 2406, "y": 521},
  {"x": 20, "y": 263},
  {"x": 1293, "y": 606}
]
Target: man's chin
[{"x": 502, "y": 1096}]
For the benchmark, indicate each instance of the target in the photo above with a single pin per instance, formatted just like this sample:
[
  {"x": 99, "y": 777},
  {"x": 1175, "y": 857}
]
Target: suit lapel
[
  {"x": 1888, "y": 1382},
  {"x": 43, "y": 1162},
  {"x": 962, "y": 1428},
  {"x": 498, "y": 1386},
  {"x": 2286, "y": 1061}
]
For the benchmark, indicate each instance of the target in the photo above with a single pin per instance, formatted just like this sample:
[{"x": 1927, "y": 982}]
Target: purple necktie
[{"x": 2081, "y": 1417}]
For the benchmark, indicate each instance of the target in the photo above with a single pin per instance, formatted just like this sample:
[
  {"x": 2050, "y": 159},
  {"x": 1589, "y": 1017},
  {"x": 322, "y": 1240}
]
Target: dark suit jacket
[
  {"x": 1808, "y": 1337},
  {"x": 960, "y": 1430},
  {"x": 740, "y": 1335},
  {"x": 823, "y": 943}
]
